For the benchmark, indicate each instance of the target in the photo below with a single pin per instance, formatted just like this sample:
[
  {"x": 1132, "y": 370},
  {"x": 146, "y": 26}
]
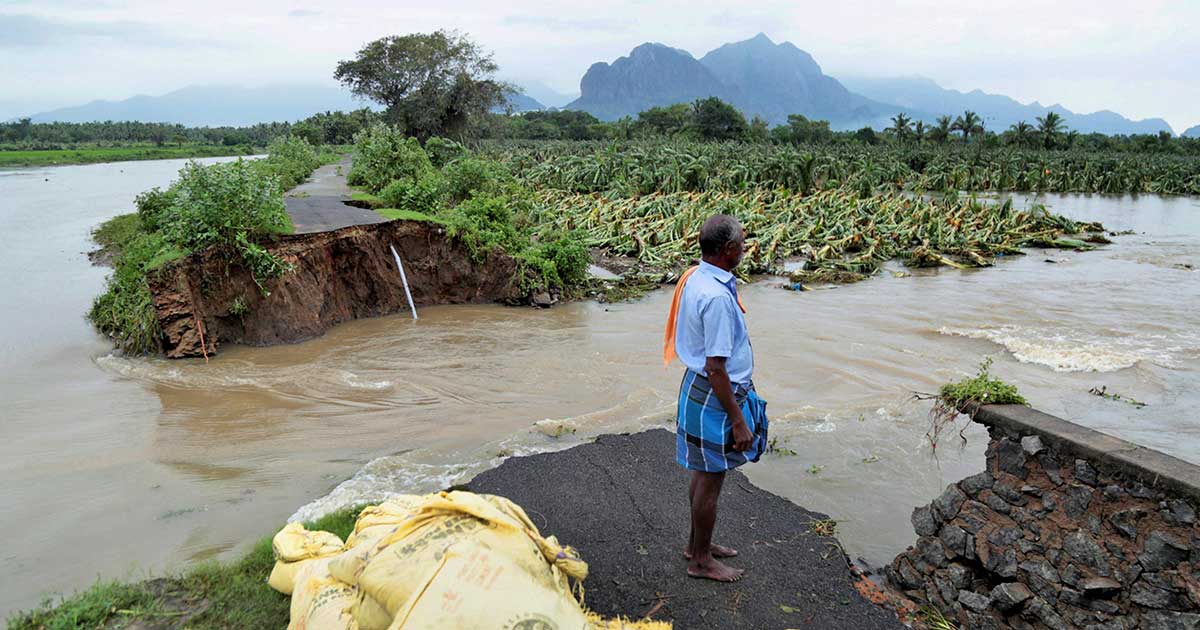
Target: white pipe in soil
[{"x": 404, "y": 279}]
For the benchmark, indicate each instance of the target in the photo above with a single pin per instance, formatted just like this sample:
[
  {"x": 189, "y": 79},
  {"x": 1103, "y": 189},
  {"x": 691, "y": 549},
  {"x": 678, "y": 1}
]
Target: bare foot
[
  {"x": 718, "y": 551},
  {"x": 714, "y": 570}
]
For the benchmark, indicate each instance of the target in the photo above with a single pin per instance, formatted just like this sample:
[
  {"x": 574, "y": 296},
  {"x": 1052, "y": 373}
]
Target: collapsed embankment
[
  {"x": 209, "y": 299},
  {"x": 1065, "y": 528}
]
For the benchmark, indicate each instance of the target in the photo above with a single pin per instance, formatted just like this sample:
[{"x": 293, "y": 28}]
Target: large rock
[
  {"x": 1166, "y": 620},
  {"x": 1009, "y": 596},
  {"x": 1010, "y": 457},
  {"x": 1162, "y": 552},
  {"x": 946, "y": 506}
]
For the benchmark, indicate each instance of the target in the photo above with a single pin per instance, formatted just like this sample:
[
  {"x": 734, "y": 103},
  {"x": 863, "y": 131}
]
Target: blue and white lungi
[{"x": 704, "y": 435}]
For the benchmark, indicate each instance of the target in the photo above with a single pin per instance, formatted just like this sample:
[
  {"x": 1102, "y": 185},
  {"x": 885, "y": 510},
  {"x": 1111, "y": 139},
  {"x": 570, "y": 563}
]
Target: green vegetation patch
[
  {"x": 89, "y": 155},
  {"x": 981, "y": 389},
  {"x": 476, "y": 198},
  {"x": 209, "y": 596},
  {"x": 234, "y": 206}
]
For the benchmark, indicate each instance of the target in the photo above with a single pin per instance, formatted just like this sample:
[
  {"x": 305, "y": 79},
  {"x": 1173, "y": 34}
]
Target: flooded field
[{"x": 115, "y": 467}]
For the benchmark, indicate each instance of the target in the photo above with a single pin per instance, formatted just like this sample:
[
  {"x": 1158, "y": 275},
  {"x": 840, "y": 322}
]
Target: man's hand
[{"x": 742, "y": 437}]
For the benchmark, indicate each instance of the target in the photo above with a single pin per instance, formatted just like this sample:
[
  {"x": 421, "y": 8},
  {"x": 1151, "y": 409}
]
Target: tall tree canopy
[{"x": 432, "y": 84}]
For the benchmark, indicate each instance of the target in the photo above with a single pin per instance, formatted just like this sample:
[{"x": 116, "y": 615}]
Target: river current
[{"x": 118, "y": 467}]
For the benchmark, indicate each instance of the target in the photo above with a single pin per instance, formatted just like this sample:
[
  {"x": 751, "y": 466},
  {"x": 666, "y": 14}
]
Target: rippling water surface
[{"x": 114, "y": 466}]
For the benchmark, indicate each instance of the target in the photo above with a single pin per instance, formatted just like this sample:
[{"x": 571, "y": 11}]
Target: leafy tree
[
  {"x": 866, "y": 135},
  {"x": 715, "y": 119},
  {"x": 759, "y": 130},
  {"x": 1050, "y": 126},
  {"x": 431, "y": 84},
  {"x": 665, "y": 121},
  {"x": 801, "y": 130}
]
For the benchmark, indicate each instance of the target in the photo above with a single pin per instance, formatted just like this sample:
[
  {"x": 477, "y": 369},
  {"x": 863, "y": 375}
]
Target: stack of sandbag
[{"x": 446, "y": 560}]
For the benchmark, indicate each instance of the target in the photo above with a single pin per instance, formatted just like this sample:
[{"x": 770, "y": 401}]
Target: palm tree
[
  {"x": 969, "y": 124},
  {"x": 1049, "y": 126},
  {"x": 941, "y": 133},
  {"x": 1020, "y": 133},
  {"x": 901, "y": 126},
  {"x": 919, "y": 131}
]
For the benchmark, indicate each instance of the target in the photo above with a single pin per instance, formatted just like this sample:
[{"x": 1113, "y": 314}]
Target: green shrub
[
  {"x": 467, "y": 176},
  {"x": 383, "y": 154},
  {"x": 213, "y": 204},
  {"x": 290, "y": 160},
  {"x": 421, "y": 195},
  {"x": 560, "y": 260},
  {"x": 442, "y": 151},
  {"x": 152, "y": 206}
]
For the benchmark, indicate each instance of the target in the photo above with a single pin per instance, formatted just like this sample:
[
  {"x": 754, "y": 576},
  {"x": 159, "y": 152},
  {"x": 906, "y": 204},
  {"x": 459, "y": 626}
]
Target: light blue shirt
[{"x": 712, "y": 325}]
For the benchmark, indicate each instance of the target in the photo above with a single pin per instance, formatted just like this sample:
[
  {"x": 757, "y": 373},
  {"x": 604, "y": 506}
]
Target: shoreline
[{"x": 107, "y": 155}]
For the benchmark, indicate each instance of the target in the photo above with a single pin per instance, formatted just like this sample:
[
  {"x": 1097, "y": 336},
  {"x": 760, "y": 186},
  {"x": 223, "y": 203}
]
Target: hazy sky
[{"x": 1141, "y": 59}]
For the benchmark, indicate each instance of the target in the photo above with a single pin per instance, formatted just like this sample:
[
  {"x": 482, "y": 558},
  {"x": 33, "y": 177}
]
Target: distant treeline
[
  {"x": 323, "y": 128},
  {"x": 703, "y": 120},
  {"x": 713, "y": 119}
]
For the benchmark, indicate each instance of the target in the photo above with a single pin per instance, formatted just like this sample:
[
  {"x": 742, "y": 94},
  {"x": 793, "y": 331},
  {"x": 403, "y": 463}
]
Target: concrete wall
[{"x": 1065, "y": 528}]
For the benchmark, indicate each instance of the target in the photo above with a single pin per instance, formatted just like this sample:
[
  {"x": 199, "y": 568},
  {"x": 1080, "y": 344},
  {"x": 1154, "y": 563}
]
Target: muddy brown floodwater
[{"x": 116, "y": 467}]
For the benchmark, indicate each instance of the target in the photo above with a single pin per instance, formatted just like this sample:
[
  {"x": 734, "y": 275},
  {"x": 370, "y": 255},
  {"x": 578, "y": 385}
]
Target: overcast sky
[{"x": 1141, "y": 59}]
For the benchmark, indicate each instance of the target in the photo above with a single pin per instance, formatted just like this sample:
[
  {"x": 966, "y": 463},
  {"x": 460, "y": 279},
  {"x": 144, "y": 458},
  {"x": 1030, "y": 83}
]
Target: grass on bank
[
  {"x": 209, "y": 596},
  {"x": 89, "y": 155}
]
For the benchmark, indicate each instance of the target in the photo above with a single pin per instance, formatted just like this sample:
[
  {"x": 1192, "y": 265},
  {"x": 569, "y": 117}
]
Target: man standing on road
[{"x": 721, "y": 421}]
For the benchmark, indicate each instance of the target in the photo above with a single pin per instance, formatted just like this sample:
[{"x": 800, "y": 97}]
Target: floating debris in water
[{"x": 1102, "y": 392}]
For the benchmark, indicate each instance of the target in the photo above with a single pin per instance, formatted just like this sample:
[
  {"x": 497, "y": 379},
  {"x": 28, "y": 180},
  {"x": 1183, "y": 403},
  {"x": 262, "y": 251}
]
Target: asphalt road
[{"x": 622, "y": 502}]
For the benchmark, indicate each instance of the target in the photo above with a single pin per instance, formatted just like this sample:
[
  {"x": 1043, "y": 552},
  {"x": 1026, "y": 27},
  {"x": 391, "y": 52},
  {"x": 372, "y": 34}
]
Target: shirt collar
[{"x": 722, "y": 276}]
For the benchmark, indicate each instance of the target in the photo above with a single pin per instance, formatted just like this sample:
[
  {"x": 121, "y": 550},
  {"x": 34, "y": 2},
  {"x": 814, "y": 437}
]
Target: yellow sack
[
  {"x": 293, "y": 543},
  {"x": 319, "y": 602},
  {"x": 393, "y": 569},
  {"x": 475, "y": 588},
  {"x": 446, "y": 560},
  {"x": 370, "y": 614}
]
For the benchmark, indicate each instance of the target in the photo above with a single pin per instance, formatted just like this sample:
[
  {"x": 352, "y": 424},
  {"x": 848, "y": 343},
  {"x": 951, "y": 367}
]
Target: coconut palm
[
  {"x": 940, "y": 133},
  {"x": 919, "y": 131},
  {"x": 1021, "y": 133},
  {"x": 901, "y": 126},
  {"x": 1049, "y": 126},
  {"x": 970, "y": 124}
]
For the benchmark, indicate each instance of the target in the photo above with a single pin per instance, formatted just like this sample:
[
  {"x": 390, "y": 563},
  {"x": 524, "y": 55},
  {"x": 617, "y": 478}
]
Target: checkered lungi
[{"x": 704, "y": 436}]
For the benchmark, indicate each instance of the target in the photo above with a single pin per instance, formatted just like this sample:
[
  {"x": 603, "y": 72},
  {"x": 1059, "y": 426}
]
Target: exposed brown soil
[{"x": 338, "y": 276}]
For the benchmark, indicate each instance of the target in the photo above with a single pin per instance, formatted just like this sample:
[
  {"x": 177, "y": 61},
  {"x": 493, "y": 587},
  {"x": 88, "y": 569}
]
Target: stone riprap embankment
[{"x": 1065, "y": 528}]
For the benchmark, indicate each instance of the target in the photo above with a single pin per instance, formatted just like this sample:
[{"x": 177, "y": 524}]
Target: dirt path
[
  {"x": 622, "y": 501},
  {"x": 318, "y": 204}
]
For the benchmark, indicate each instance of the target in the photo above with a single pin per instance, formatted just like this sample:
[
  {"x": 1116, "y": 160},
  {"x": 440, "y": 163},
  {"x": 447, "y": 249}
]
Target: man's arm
[{"x": 723, "y": 388}]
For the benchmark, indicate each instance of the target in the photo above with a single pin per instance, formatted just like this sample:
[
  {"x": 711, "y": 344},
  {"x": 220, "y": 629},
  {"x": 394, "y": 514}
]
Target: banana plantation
[{"x": 666, "y": 167}]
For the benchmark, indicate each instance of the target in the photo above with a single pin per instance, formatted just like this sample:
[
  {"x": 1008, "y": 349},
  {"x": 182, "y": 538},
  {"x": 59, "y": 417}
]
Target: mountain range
[
  {"x": 756, "y": 75},
  {"x": 773, "y": 80},
  {"x": 1194, "y": 132},
  {"x": 214, "y": 106},
  {"x": 998, "y": 112}
]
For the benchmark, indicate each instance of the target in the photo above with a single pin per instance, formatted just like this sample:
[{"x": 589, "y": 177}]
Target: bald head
[{"x": 721, "y": 240}]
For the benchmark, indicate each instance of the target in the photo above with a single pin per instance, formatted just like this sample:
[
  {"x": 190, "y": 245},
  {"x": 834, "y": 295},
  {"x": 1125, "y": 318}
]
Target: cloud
[
  {"x": 576, "y": 24},
  {"x": 303, "y": 13},
  {"x": 30, "y": 31}
]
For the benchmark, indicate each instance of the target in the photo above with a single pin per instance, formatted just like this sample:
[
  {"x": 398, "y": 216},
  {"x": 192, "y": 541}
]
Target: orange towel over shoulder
[{"x": 673, "y": 316}]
